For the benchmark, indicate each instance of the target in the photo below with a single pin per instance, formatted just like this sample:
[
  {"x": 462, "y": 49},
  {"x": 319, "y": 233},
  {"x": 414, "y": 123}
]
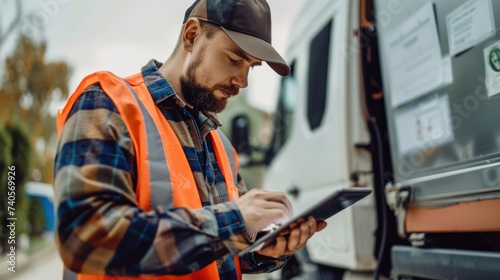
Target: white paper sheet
[
  {"x": 492, "y": 64},
  {"x": 469, "y": 24},
  {"x": 447, "y": 70},
  {"x": 414, "y": 57},
  {"x": 425, "y": 125}
]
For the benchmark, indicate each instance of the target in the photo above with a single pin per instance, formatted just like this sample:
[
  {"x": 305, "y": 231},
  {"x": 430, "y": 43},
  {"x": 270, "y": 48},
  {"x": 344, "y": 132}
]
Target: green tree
[
  {"x": 21, "y": 154},
  {"x": 15, "y": 152},
  {"x": 30, "y": 86},
  {"x": 5, "y": 162},
  {"x": 36, "y": 217}
]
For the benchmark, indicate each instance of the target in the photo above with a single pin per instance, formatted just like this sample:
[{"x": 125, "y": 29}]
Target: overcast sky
[{"x": 122, "y": 35}]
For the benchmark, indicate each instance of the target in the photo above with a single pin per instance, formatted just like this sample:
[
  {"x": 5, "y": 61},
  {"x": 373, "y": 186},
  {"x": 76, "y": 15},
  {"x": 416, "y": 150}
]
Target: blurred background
[{"x": 46, "y": 48}]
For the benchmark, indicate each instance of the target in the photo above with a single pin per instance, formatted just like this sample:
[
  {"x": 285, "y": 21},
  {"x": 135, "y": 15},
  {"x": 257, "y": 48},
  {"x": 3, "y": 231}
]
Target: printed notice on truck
[
  {"x": 424, "y": 125},
  {"x": 492, "y": 64},
  {"x": 413, "y": 57},
  {"x": 469, "y": 24}
]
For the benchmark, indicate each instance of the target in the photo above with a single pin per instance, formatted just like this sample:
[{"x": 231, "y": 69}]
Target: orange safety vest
[{"x": 165, "y": 177}]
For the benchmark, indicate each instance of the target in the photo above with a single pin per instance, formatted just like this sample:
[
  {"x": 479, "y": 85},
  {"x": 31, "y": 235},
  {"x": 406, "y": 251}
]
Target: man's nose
[{"x": 240, "y": 78}]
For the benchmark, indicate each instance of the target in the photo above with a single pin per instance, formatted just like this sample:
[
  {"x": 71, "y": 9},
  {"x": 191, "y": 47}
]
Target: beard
[{"x": 201, "y": 97}]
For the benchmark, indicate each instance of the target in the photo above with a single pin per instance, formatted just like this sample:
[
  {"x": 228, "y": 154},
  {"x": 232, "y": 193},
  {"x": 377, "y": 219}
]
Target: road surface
[{"x": 46, "y": 267}]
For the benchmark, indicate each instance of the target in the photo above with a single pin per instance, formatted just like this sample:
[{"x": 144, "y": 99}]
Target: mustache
[{"x": 232, "y": 90}]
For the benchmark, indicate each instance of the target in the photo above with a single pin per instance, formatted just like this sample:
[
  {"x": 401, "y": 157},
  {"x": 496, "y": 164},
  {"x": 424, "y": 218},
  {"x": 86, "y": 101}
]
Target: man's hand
[
  {"x": 260, "y": 208},
  {"x": 296, "y": 240}
]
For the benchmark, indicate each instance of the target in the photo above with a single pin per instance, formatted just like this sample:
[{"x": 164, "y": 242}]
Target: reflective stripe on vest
[{"x": 165, "y": 177}]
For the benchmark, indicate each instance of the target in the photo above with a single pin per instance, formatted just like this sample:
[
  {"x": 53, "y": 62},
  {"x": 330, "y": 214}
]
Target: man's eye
[{"x": 233, "y": 61}]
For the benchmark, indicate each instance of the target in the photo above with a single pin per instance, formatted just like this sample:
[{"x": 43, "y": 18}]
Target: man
[{"x": 146, "y": 185}]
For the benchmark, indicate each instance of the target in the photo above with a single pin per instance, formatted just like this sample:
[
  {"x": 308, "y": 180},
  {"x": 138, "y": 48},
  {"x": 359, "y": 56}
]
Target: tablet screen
[{"x": 331, "y": 205}]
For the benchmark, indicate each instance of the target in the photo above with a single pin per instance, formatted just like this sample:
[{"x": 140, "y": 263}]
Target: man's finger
[
  {"x": 274, "y": 205},
  {"x": 281, "y": 198},
  {"x": 280, "y": 246},
  {"x": 304, "y": 234},
  {"x": 320, "y": 225},
  {"x": 312, "y": 226},
  {"x": 293, "y": 239}
]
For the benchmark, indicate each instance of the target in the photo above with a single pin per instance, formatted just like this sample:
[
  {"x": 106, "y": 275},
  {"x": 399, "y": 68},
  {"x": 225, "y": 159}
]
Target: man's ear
[{"x": 192, "y": 30}]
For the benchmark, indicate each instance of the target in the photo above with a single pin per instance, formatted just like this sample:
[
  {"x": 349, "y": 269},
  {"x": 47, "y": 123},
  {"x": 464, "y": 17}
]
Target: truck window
[
  {"x": 317, "y": 76},
  {"x": 283, "y": 118}
]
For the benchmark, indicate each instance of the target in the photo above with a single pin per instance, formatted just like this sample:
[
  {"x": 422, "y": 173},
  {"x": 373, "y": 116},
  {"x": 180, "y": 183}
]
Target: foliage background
[{"x": 29, "y": 87}]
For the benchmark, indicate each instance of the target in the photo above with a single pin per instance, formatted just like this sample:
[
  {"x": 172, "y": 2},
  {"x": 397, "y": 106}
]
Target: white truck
[{"x": 401, "y": 96}]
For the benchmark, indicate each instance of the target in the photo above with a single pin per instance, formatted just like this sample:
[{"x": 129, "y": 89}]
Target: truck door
[{"x": 441, "y": 76}]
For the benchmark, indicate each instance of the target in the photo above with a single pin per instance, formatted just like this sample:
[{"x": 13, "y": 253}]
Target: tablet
[{"x": 327, "y": 207}]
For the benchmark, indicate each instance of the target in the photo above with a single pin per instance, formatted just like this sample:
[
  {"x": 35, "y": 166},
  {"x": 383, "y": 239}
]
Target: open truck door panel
[{"x": 438, "y": 63}]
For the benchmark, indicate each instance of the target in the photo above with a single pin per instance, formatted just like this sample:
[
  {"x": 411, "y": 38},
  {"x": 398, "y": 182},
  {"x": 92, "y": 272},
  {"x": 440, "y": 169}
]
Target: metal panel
[
  {"x": 444, "y": 264},
  {"x": 467, "y": 162}
]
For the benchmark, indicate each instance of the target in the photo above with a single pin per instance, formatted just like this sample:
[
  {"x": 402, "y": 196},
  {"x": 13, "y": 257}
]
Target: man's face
[{"x": 217, "y": 71}]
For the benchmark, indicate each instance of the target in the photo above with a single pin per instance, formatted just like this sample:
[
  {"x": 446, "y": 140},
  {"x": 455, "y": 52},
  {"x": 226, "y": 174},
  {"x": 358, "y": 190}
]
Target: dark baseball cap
[{"x": 247, "y": 23}]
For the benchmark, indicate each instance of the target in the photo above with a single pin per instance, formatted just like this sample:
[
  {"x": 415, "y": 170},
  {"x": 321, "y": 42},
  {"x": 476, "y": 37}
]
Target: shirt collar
[
  {"x": 164, "y": 95},
  {"x": 208, "y": 119},
  {"x": 158, "y": 86}
]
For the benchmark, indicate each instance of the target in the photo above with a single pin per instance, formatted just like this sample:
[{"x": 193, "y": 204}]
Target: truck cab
[{"x": 319, "y": 114}]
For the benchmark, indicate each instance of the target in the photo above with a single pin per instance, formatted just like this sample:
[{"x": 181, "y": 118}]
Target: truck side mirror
[{"x": 239, "y": 134}]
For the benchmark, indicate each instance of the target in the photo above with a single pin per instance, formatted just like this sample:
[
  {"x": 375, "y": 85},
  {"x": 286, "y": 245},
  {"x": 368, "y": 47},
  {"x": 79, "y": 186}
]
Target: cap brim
[{"x": 259, "y": 49}]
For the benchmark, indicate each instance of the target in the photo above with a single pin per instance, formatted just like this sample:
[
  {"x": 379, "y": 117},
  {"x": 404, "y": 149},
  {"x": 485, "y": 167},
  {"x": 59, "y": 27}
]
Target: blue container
[{"x": 45, "y": 193}]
